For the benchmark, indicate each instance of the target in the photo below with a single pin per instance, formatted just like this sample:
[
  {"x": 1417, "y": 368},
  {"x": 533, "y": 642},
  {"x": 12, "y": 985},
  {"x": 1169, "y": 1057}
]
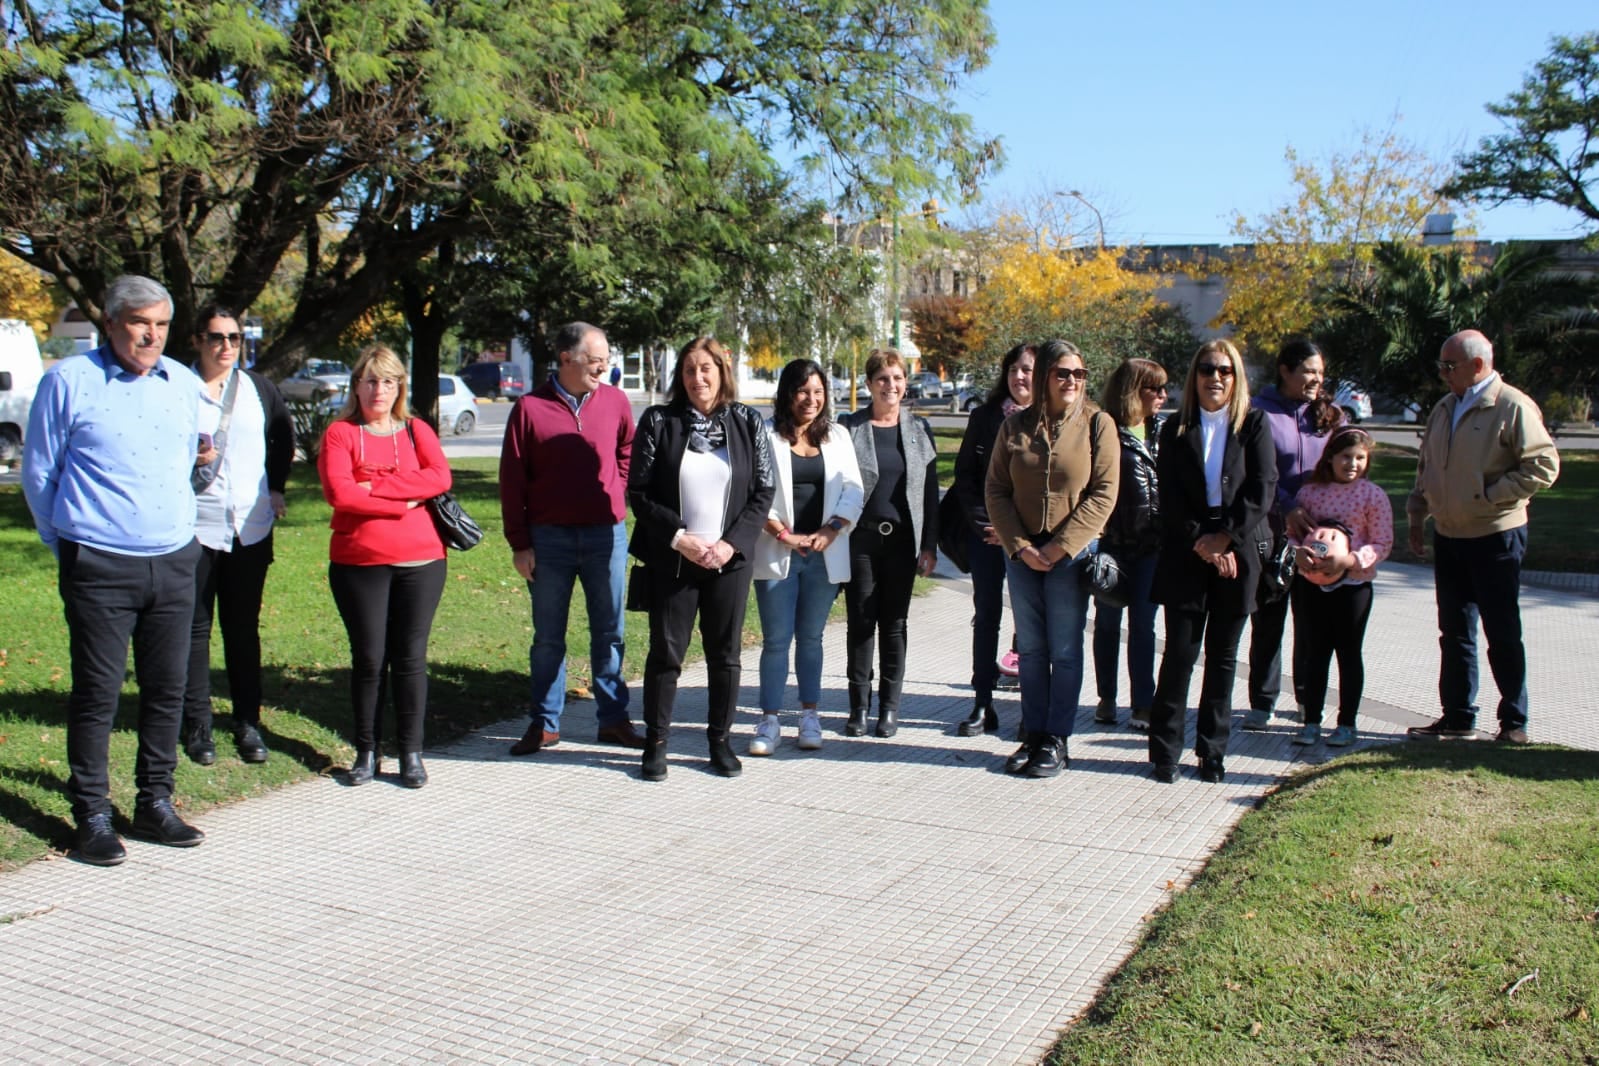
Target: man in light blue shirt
[{"x": 111, "y": 443}]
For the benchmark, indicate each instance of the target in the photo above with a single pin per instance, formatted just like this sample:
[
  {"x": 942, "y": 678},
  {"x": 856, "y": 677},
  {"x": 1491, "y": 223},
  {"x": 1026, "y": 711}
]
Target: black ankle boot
[
  {"x": 983, "y": 719},
  {"x": 412, "y": 773},
  {"x": 1047, "y": 759},
  {"x": 723, "y": 762},
  {"x": 887, "y": 721},
  {"x": 856, "y": 726},
  {"x": 363, "y": 769},
  {"x": 1018, "y": 758},
  {"x": 654, "y": 768},
  {"x": 1211, "y": 770}
]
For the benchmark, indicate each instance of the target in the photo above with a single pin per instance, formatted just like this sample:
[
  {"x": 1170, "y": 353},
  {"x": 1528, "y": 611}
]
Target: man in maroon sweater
[{"x": 563, "y": 486}]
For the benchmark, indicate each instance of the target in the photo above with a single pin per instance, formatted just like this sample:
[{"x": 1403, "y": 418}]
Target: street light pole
[{"x": 1099, "y": 218}]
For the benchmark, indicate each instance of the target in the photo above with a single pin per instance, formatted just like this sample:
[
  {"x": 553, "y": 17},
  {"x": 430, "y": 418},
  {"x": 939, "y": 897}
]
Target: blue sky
[{"x": 1171, "y": 117}]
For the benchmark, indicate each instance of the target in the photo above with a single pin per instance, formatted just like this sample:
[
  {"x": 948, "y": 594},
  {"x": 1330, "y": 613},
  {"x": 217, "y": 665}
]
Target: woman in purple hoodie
[{"x": 1300, "y": 417}]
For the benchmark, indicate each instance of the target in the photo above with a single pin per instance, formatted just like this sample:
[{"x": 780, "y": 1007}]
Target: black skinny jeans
[
  {"x": 388, "y": 612},
  {"x": 230, "y": 583},
  {"x": 877, "y": 603},
  {"x": 1330, "y": 622},
  {"x": 1185, "y": 630},
  {"x": 678, "y": 591}
]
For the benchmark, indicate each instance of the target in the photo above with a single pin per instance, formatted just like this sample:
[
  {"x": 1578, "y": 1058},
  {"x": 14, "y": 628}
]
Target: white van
[{"x": 20, "y": 371}]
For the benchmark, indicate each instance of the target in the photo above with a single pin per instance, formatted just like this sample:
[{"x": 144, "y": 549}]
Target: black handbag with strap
[{"x": 455, "y": 526}]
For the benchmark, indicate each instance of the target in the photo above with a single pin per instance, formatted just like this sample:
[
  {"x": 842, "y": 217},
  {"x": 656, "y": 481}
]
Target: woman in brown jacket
[{"x": 1052, "y": 480}]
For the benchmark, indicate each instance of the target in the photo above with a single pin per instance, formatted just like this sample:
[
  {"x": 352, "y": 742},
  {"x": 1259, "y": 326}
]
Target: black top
[
  {"x": 810, "y": 477},
  {"x": 888, "y": 502}
]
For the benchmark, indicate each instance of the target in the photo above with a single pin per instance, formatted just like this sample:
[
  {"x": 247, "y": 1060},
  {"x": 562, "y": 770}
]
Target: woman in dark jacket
[
  {"x": 1132, "y": 397},
  {"x": 1011, "y": 393},
  {"x": 896, "y": 538},
  {"x": 238, "y": 491},
  {"x": 700, "y": 485},
  {"x": 1217, "y": 475}
]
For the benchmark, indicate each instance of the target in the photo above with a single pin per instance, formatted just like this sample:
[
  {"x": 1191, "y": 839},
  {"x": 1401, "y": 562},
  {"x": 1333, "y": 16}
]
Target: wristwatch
[{"x": 836, "y": 524}]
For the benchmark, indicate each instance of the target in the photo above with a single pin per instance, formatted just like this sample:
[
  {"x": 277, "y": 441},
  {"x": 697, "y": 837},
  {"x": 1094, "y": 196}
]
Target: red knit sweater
[
  {"x": 559, "y": 469},
  {"x": 374, "y": 527}
]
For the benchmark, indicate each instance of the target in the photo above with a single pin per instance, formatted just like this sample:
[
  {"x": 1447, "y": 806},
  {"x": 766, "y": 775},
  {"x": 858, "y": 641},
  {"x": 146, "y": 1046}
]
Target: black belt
[{"x": 883, "y": 528}]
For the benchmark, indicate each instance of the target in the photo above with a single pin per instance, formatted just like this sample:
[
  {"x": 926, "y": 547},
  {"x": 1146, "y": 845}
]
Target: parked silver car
[
  {"x": 315, "y": 380},
  {"x": 1355, "y": 401}
]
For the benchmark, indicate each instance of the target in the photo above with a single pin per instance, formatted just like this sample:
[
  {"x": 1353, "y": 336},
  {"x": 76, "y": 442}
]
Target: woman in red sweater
[{"x": 387, "y": 568}]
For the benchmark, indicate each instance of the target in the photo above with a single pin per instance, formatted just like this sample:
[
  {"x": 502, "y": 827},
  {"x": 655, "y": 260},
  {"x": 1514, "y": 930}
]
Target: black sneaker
[
  {"x": 156, "y": 821},
  {"x": 1445, "y": 728},
  {"x": 98, "y": 843},
  {"x": 247, "y": 738}
]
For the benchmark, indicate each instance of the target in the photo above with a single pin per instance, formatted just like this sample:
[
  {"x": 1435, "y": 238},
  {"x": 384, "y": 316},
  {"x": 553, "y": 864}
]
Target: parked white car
[
  {"x": 457, "y": 405},
  {"x": 20, "y": 370},
  {"x": 1355, "y": 401}
]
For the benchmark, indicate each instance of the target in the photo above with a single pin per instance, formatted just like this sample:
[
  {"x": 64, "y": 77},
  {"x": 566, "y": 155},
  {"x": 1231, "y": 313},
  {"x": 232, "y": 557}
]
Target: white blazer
[{"x": 842, "y": 495}]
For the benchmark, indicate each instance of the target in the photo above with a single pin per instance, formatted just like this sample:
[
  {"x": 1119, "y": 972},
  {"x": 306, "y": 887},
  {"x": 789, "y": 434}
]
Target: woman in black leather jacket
[
  {"x": 986, "y": 559},
  {"x": 700, "y": 486},
  {"x": 1132, "y": 397}
]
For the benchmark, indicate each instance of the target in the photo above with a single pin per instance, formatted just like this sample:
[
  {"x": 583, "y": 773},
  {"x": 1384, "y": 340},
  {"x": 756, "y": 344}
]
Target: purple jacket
[{"x": 1294, "y": 438}]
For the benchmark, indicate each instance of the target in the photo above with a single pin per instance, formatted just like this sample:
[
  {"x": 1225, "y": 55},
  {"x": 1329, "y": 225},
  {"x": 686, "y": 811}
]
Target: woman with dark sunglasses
[
  {"x": 1218, "y": 473},
  {"x": 1052, "y": 481}
]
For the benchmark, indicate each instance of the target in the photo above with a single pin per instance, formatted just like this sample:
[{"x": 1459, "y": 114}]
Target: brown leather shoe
[
  {"x": 1512, "y": 736},
  {"x": 535, "y": 739},
  {"x": 622, "y": 734}
]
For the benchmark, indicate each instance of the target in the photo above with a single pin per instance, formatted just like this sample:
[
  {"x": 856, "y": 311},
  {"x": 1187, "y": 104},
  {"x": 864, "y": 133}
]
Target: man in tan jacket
[{"x": 1484, "y": 454}]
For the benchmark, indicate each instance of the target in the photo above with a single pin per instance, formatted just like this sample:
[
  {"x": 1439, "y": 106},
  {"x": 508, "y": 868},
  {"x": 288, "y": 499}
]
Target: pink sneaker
[{"x": 1010, "y": 664}]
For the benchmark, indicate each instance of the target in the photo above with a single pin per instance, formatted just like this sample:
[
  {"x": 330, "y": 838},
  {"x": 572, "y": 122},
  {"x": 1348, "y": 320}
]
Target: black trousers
[
  {"x": 877, "y": 603},
  {"x": 1185, "y": 630},
  {"x": 111, "y": 600},
  {"x": 388, "y": 613},
  {"x": 678, "y": 592},
  {"x": 1330, "y": 622},
  {"x": 229, "y": 583},
  {"x": 1266, "y": 628},
  {"x": 988, "y": 610}
]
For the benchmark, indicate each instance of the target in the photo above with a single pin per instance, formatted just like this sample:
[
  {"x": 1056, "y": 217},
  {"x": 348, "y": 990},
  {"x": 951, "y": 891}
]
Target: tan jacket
[
  {"x": 1477, "y": 481},
  {"x": 1066, "y": 489}
]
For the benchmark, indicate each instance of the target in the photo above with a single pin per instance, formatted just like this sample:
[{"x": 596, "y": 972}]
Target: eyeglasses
[
  {"x": 1069, "y": 373},
  {"x": 1160, "y": 389},
  {"x": 232, "y": 340},
  {"x": 1214, "y": 370},
  {"x": 380, "y": 383},
  {"x": 1447, "y": 366}
]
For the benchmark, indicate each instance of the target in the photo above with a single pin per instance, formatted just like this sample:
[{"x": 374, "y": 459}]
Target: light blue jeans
[
  {"x": 563, "y": 555},
  {"x": 1051, "y": 612},
  {"x": 794, "y": 611}
]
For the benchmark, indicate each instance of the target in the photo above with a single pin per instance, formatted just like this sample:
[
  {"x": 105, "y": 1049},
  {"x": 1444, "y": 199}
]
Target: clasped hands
[
  {"x": 1042, "y": 559},
  {"x": 805, "y": 543},
  {"x": 1216, "y": 549},
  {"x": 709, "y": 555}
]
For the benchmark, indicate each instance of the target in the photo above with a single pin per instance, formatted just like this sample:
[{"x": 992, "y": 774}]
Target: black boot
[
  {"x": 983, "y": 719},
  {"x": 1211, "y": 770},
  {"x": 412, "y": 773},
  {"x": 1018, "y": 758},
  {"x": 856, "y": 726},
  {"x": 362, "y": 770},
  {"x": 1047, "y": 759},
  {"x": 887, "y": 721},
  {"x": 198, "y": 744},
  {"x": 723, "y": 762},
  {"x": 654, "y": 767}
]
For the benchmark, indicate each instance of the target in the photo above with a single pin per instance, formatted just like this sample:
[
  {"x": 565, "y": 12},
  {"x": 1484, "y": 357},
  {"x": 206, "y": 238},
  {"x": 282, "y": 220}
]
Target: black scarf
[{"x": 707, "y": 433}]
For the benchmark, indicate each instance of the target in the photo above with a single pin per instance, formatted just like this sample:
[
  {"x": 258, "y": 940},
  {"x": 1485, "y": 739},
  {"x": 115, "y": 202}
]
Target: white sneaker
[
  {"x": 810, "y": 732},
  {"x": 767, "y": 735},
  {"x": 1308, "y": 734},
  {"x": 1341, "y": 737}
]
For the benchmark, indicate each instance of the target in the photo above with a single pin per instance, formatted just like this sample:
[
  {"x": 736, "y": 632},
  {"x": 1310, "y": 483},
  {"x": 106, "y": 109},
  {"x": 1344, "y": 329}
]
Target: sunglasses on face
[
  {"x": 1214, "y": 370},
  {"x": 1069, "y": 373},
  {"x": 232, "y": 340},
  {"x": 1160, "y": 389}
]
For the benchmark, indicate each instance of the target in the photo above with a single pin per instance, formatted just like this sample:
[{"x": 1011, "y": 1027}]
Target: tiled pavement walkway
[{"x": 879, "y": 901}]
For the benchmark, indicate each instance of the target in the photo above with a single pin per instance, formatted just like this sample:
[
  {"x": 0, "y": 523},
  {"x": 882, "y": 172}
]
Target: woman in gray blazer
[{"x": 894, "y": 540}]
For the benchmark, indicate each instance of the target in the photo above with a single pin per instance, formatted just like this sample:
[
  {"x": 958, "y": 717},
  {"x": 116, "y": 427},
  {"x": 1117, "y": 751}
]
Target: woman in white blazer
[{"x": 802, "y": 556}]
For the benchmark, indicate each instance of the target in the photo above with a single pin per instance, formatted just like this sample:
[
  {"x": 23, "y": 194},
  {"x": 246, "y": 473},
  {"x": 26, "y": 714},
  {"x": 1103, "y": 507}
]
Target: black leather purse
[
  {"x": 1276, "y": 563},
  {"x": 1102, "y": 576},
  {"x": 455, "y": 526}
]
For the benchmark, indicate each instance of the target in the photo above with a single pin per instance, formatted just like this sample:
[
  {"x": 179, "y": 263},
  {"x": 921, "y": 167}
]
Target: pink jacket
[{"x": 1363, "y": 507}]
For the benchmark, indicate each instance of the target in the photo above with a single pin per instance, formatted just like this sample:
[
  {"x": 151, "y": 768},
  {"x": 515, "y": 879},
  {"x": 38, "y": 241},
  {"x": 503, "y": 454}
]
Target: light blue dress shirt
[{"x": 109, "y": 454}]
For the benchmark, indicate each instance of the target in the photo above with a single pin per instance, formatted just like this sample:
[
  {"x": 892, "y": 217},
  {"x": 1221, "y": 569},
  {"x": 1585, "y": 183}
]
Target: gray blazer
[{"x": 921, "y": 467}]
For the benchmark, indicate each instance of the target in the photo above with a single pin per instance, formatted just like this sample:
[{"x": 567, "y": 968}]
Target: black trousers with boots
[{"x": 678, "y": 592}]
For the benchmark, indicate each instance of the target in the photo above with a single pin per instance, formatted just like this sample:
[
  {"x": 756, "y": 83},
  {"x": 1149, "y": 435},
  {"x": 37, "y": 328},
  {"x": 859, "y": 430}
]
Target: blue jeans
[
  {"x": 794, "y": 611},
  {"x": 1139, "y": 571},
  {"x": 1051, "y": 611},
  {"x": 1480, "y": 577},
  {"x": 596, "y": 556}
]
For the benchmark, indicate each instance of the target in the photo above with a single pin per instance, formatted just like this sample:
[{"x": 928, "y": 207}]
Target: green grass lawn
[{"x": 1379, "y": 909}]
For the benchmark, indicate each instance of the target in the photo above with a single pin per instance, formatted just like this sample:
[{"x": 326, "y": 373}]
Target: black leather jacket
[
  {"x": 971, "y": 465},
  {"x": 654, "y": 490},
  {"x": 1134, "y": 526}
]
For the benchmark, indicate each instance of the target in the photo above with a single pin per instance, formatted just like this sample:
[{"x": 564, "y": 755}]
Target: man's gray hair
[
  {"x": 131, "y": 292},
  {"x": 1473, "y": 345},
  {"x": 569, "y": 336}
]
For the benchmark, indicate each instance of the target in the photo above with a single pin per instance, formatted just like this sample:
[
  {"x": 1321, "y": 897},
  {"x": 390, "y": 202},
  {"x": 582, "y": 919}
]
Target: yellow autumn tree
[
  {"x": 1382, "y": 190},
  {"x": 25, "y": 294}
]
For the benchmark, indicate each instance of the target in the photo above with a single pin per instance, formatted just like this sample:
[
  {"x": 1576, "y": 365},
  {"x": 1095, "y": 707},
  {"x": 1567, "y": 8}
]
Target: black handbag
[
  {"x": 1102, "y": 576},
  {"x": 455, "y": 526},
  {"x": 952, "y": 529},
  {"x": 1276, "y": 564},
  {"x": 638, "y": 588}
]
